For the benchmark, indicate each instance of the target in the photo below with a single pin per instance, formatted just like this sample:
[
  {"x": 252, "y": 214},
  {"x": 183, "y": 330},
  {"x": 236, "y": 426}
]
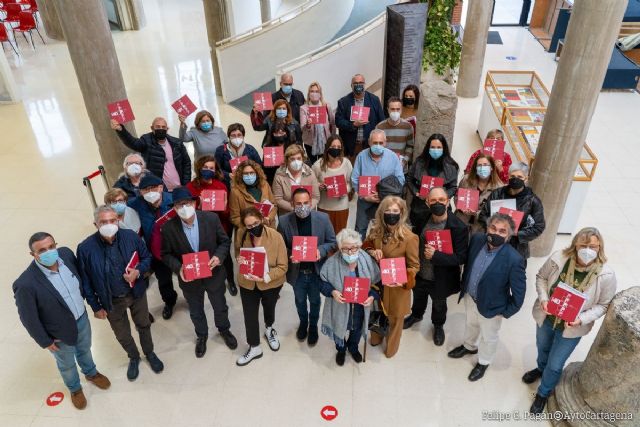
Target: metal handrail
[{"x": 268, "y": 25}]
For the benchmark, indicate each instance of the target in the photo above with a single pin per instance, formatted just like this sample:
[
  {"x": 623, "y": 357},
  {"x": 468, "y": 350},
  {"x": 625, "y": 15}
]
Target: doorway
[{"x": 511, "y": 12}]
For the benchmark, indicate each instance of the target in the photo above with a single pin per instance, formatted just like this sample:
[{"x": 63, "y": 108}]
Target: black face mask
[
  {"x": 334, "y": 152},
  {"x": 256, "y": 231},
  {"x": 408, "y": 102},
  {"x": 495, "y": 240},
  {"x": 516, "y": 183},
  {"x": 438, "y": 209},
  {"x": 279, "y": 139},
  {"x": 391, "y": 218},
  {"x": 358, "y": 88},
  {"x": 159, "y": 134}
]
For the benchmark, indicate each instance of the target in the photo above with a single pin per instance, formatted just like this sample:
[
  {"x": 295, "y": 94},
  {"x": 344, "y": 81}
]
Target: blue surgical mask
[
  {"x": 281, "y": 113},
  {"x": 350, "y": 259},
  {"x": 206, "y": 126},
  {"x": 483, "y": 171},
  {"x": 249, "y": 179},
  {"x": 377, "y": 149},
  {"x": 119, "y": 207},
  {"x": 435, "y": 153},
  {"x": 207, "y": 174},
  {"x": 287, "y": 89},
  {"x": 49, "y": 257}
]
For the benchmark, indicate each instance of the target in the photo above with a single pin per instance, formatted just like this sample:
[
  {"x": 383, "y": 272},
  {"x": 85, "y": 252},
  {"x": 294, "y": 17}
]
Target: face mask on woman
[
  {"x": 296, "y": 165},
  {"x": 350, "y": 259},
  {"x": 314, "y": 96},
  {"x": 207, "y": 174},
  {"x": 134, "y": 169},
  {"x": 237, "y": 142},
  {"x": 206, "y": 126},
  {"x": 249, "y": 179},
  {"x": 483, "y": 171},
  {"x": 587, "y": 255},
  {"x": 281, "y": 113},
  {"x": 435, "y": 153},
  {"x": 391, "y": 218},
  {"x": 119, "y": 207}
]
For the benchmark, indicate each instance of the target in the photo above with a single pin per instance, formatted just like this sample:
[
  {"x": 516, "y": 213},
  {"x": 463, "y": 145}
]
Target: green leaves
[{"x": 441, "y": 47}]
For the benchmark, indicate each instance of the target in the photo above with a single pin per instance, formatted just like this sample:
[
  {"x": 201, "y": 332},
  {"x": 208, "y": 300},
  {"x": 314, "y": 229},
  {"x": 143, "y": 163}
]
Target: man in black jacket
[
  {"x": 294, "y": 97},
  {"x": 197, "y": 231},
  {"x": 439, "y": 275},
  {"x": 51, "y": 308},
  {"x": 165, "y": 155}
]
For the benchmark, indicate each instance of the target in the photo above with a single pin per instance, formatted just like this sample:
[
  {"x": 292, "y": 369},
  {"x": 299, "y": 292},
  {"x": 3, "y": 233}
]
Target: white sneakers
[
  {"x": 272, "y": 338},
  {"x": 249, "y": 355}
]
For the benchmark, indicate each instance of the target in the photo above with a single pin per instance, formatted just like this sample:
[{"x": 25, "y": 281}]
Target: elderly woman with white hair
[
  {"x": 134, "y": 169},
  {"x": 339, "y": 317}
]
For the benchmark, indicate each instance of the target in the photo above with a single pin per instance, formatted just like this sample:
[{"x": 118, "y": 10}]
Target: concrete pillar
[
  {"x": 474, "y": 44},
  {"x": 265, "y": 10},
  {"x": 94, "y": 58},
  {"x": 217, "y": 20},
  {"x": 50, "y": 19},
  {"x": 592, "y": 31},
  {"x": 607, "y": 382}
]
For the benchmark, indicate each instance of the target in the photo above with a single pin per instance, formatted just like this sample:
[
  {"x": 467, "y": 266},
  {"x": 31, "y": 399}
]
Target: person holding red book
[
  {"x": 502, "y": 166},
  {"x": 582, "y": 266},
  {"x": 314, "y": 136},
  {"x": 235, "y": 148},
  {"x": 249, "y": 187},
  {"x": 294, "y": 171}
]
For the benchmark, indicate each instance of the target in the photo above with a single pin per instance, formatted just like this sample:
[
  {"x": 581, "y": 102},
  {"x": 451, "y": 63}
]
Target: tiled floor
[{"x": 48, "y": 146}]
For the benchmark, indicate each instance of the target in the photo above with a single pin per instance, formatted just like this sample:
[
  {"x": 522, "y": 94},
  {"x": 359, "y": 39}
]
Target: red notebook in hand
[
  {"x": 273, "y": 156},
  {"x": 254, "y": 262},
  {"x": 166, "y": 217},
  {"x": 427, "y": 183},
  {"x": 263, "y": 99},
  {"x": 393, "y": 270},
  {"x": 356, "y": 289},
  {"x": 516, "y": 216},
  {"x": 309, "y": 188},
  {"x": 359, "y": 113},
  {"x": 566, "y": 302},
  {"x": 133, "y": 264},
  {"x": 468, "y": 199},
  {"x": 317, "y": 115},
  {"x": 494, "y": 148},
  {"x": 121, "y": 111},
  {"x": 184, "y": 106},
  {"x": 196, "y": 266},
  {"x": 336, "y": 186},
  {"x": 264, "y": 208},
  {"x": 213, "y": 200},
  {"x": 304, "y": 248},
  {"x": 235, "y": 162},
  {"x": 367, "y": 185},
  {"x": 440, "y": 240}
]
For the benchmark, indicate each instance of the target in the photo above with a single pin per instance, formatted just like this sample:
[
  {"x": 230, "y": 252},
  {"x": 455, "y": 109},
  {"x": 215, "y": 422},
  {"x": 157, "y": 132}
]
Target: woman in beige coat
[
  {"x": 294, "y": 172},
  {"x": 250, "y": 186}
]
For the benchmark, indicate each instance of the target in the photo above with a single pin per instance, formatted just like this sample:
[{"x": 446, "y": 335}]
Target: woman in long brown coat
[{"x": 391, "y": 237}]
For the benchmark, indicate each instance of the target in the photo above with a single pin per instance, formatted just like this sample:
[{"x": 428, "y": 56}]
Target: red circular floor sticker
[
  {"x": 329, "y": 413},
  {"x": 54, "y": 399}
]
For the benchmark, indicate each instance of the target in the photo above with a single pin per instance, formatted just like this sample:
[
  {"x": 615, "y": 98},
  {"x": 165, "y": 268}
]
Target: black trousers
[
  {"x": 251, "y": 300},
  {"x": 165, "y": 281},
  {"x": 228, "y": 268},
  {"x": 194, "y": 294},
  {"x": 121, "y": 327},
  {"x": 421, "y": 293}
]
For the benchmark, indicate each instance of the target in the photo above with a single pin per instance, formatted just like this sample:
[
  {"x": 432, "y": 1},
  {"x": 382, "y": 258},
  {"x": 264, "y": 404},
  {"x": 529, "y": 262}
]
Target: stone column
[
  {"x": 474, "y": 44},
  {"x": 94, "y": 58},
  {"x": 609, "y": 379},
  {"x": 592, "y": 31},
  {"x": 50, "y": 19},
  {"x": 436, "y": 111},
  {"x": 217, "y": 20},
  {"x": 265, "y": 10}
]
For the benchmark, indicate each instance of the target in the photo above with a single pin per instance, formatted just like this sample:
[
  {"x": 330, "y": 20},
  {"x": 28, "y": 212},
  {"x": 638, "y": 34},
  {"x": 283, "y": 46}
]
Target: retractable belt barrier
[{"x": 86, "y": 181}]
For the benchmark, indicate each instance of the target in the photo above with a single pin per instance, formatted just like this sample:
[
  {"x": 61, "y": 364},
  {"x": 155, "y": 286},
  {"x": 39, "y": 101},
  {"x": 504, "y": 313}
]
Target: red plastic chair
[
  {"x": 27, "y": 24},
  {"x": 13, "y": 13},
  {"x": 4, "y": 37}
]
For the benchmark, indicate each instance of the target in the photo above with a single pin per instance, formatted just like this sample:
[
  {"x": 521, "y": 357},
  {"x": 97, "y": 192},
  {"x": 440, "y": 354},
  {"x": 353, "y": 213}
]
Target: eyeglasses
[{"x": 350, "y": 251}]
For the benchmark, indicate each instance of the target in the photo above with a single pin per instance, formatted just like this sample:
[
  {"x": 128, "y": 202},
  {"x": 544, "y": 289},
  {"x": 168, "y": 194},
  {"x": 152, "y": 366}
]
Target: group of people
[{"x": 154, "y": 217}]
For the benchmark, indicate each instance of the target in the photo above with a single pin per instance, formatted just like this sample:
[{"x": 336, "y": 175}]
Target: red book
[
  {"x": 166, "y": 217},
  {"x": 264, "y": 208},
  {"x": 516, "y": 216},
  {"x": 234, "y": 162},
  {"x": 196, "y": 266},
  {"x": 273, "y": 156},
  {"x": 213, "y": 200},
  {"x": 566, "y": 302},
  {"x": 254, "y": 262},
  {"x": 393, "y": 270},
  {"x": 428, "y": 182},
  {"x": 133, "y": 264},
  {"x": 184, "y": 106},
  {"x": 263, "y": 99},
  {"x": 336, "y": 186},
  {"x": 440, "y": 239},
  {"x": 304, "y": 248},
  {"x": 309, "y": 188},
  {"x": 359, "y": 113},
  {"x": 494, "y": 148},
  {"x": 468, "y": 199},
  {"x": 356, "y": 289},
  {"x": 367, "y": 185},
  {"x": 121, "y": 111},
  {"x": 317, "y": 115}
]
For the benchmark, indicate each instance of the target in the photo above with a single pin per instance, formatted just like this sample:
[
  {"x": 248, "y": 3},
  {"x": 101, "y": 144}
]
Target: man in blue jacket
[
  {"x": 112, "y": 265},
  {"x": 51, "y": 308},
  {"x": 493, "y": 288}
]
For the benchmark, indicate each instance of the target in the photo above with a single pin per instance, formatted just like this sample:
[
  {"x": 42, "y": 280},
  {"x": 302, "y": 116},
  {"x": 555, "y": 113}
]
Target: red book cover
[
  {"x": 253, "y": 262},
  {"x": 309, "y": 188},
  {"x": 494, "y": 148},
  {"x": 132, "y": 264},
  {"x": 304, "y": 248},
  {"x": 468, "y": 199},
  {"x": 234, "y": 162},
  {"x": 359, "y": 113},
  {"x": 428, "y": 182},
  {"x": 263, "y": 99},
  {"x": 184, "y": 106},
  {"x": 440, "y": 239},
  {"x": 121, "y": 111},
  {"x": 317, "y": 115},
  {"x": 336, "y": 186},
  {"x": 196, "y": 266},
  {"x": 356, "y": 289},
  {"x": 566, "y": 302},
  {"x": 367, "y": 185},
  {"x": 213, "y": 200},
  {"x": 166, "y": 217},
  {"x": 273, "y": 156},
  {"x": 516, "y": 216},
  {"x": 393, "y": 270},
  {"x": 264, "y": 208}
]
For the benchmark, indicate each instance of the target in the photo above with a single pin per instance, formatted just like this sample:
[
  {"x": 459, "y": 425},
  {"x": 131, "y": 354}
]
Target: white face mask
[
  {"x": 394, "y": 115},
  {"x": 296, "y": 165},
  {"x": 152, "y": 196},
  {"x": 237, "y": 142},
  {"x": 134, "y": 169},
  {"x": 108, "y": 230},
  {"x": 587, "y": 255},
  {"x": 187, "y": 211}
]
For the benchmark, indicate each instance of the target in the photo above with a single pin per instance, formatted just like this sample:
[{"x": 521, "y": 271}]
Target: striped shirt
[{"x": 399, "y": 137}]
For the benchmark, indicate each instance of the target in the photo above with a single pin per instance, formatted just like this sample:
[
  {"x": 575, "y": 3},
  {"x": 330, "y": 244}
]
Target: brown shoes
[
  {"x": 78, "y": 399},
  {"x": 99, "y": 381}
]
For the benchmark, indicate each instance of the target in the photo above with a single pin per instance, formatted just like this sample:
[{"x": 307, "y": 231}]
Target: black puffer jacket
[
  {"x": 153, "y": 153},
  {"x": 532, "y": 223}
]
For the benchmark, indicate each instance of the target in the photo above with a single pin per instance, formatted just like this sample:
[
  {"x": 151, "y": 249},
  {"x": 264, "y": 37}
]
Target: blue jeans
[
  {"x": 67, "y": 356},
  {"x": 365, "y": 212},
  {"x": 354, "y": 329},
  {"x": 307, "y": 286},
  {"x": 553, "y": 352}
]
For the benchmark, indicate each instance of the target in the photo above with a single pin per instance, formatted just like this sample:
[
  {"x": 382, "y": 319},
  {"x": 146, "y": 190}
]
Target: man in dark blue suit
[
  {"x": 51, "y": 307},
  {"x": 493, "y": 287}
]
